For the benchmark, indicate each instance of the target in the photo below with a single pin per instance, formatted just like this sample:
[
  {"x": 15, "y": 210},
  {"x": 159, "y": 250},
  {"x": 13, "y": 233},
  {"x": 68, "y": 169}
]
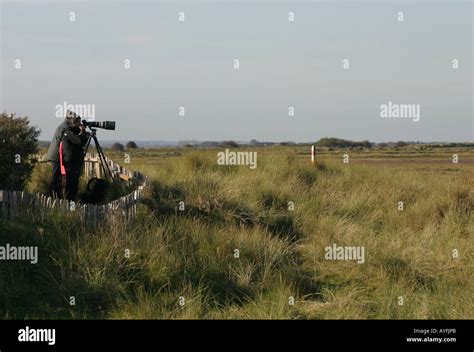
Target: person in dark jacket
[
  {"x": 72, "y": 148},
  {"x": 53, "y": 152}
]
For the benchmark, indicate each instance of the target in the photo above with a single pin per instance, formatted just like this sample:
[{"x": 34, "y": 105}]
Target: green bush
[{"x": 18, "y": 141}]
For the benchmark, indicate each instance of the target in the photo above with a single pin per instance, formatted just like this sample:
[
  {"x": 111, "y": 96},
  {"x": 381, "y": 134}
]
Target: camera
[{"x": 106, "y": 125}]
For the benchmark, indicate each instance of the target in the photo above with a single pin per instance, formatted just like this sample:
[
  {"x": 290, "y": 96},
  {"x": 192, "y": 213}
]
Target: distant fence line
[{"x": 16, "y": 203}]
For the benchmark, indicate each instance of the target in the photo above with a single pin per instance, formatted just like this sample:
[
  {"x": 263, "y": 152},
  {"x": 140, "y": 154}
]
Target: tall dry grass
[{"x": 184, "y": 264}]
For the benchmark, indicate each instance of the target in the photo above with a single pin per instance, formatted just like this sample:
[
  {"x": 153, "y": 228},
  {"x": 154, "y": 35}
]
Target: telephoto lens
[{"x": 106, "y": 125}]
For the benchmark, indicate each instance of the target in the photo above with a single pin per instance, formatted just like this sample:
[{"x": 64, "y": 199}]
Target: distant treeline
[
  {"x": 342, "y": 143},
  {"x": 332, "y": 143}
]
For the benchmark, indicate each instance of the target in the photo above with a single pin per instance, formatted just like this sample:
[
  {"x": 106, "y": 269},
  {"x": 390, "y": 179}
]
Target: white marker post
[{"x": 313, "y": 153}]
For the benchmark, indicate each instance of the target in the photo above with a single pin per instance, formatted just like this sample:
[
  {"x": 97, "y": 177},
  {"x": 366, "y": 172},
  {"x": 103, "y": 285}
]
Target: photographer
[
  {"x": 72, "y": 147},
  {"x": 66, "y": 152},
  {"x": 71, "y": 120}
]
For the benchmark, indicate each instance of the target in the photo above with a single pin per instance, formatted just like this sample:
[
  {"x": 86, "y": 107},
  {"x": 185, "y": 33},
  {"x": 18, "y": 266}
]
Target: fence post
[{"x": 14, "y": 202}]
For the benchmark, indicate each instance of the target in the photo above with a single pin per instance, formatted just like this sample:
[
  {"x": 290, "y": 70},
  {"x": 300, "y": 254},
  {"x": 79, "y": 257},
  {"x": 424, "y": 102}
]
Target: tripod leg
[
  {"x": 87, "y": 145},
  {"x": 103, "y": 160}
]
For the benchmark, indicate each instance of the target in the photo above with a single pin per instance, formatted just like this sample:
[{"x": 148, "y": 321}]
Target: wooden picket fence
[{"x": 16, "y": 203}]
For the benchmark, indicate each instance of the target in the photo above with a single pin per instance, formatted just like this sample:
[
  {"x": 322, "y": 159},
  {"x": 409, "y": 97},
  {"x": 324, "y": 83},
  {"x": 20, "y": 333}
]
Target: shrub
[
  {"x": 131, "y": 145},
  {"x": 342, "y": 143},
  {"x": 18, "y": 140},
  {"x": 118, "y": 147},
  {"x": 401, "y": 144},
  {"x": 228, "y": 144}
]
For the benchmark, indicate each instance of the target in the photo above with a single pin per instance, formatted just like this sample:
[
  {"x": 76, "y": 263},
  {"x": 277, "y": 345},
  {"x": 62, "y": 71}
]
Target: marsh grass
[{"x": 191, "y": 253}]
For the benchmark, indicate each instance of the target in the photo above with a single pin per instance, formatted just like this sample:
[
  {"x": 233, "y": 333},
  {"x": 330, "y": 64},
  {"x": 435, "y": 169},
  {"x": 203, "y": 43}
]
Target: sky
[{"x": 283, "y": 64}]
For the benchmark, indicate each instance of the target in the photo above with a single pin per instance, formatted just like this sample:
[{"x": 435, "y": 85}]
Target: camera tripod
[{"x": 100, "y": 152}]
